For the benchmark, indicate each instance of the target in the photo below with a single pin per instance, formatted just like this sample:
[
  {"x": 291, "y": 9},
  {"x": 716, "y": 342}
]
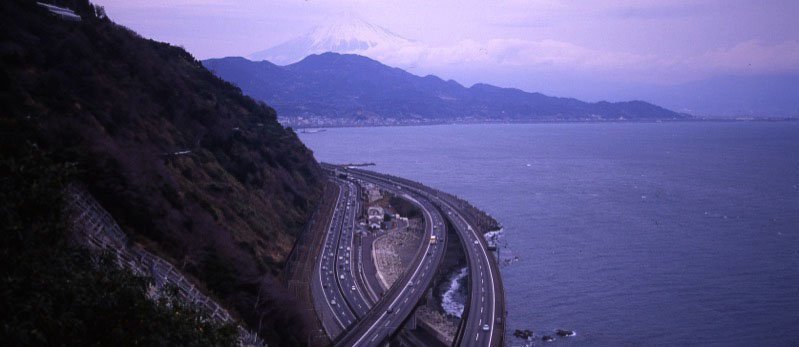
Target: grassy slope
[{"x": 117, "y": 105}]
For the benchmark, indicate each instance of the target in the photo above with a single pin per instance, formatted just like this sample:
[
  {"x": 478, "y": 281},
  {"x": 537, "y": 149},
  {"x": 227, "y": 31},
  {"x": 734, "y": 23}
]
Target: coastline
[{"x": 321, "y": 128}]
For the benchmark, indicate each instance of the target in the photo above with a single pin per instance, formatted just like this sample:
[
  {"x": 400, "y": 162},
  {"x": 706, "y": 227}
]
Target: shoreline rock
[
  {"x": 525, "y": 334},
  {"x": 564, "y": 333}
]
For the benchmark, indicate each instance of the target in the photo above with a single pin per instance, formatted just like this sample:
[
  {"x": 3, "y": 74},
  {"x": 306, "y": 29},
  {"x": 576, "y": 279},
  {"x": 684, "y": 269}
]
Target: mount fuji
[{"x": 345, "y": 34}]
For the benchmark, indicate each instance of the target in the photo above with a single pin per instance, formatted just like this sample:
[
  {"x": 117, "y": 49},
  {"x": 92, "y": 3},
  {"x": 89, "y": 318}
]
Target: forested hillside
[{"x": 188, "y": 166}]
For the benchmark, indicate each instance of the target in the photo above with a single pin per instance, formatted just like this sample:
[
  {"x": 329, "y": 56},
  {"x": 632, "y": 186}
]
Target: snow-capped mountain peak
[{"x": 343, "y": 34}]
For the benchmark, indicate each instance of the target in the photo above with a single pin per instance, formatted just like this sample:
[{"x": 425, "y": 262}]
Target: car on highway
[
  {"x": 486, "y": 327},
  {"x": 476, "y": 242},
  {"x": 353, "y": 287},
  {"x": 333, "y": 302}
]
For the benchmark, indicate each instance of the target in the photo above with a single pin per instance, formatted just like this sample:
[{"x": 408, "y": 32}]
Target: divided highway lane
[
  {"x": 481, "y": 319},
  {"x": 486, "y": 302},
  {"x": 388, "y": 314},
  {"x": 367, "y": 296},
  {"x": 345, "y": 261},
  {"x": 338, "y": 314}
]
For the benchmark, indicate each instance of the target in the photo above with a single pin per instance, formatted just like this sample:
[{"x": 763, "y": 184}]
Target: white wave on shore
[
  {"x": 494, "y": 235},
  {"x": 453, "y": 300}
]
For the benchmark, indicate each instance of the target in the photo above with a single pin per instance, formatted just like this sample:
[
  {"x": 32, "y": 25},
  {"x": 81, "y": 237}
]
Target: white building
[{"x": 375, "y": 216}]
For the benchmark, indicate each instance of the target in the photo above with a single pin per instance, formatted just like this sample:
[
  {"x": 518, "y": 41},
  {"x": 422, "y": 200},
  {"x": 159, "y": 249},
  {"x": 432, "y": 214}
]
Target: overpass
[{"x": 483, "y": 322}]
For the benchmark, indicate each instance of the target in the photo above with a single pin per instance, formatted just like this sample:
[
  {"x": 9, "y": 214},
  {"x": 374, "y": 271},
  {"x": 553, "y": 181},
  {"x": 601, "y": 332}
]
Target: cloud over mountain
[{"x": 350, "y": 34}]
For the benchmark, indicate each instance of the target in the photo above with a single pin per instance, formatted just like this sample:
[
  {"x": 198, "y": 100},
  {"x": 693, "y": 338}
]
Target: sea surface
[{"x": 631, "y": 234}]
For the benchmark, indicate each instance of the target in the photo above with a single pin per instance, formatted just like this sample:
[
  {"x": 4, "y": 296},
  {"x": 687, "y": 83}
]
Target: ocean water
[{"x": 630, "y": 234}]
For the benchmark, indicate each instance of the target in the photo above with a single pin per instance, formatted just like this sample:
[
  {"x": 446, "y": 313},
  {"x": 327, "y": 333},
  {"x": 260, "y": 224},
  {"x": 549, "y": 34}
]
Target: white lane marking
[
  {"x": 493, "y": 291},
  {"x": 327, "y": 300},
  {"x": 352, "y": 244},
  {"x": 402, "y": 291}
]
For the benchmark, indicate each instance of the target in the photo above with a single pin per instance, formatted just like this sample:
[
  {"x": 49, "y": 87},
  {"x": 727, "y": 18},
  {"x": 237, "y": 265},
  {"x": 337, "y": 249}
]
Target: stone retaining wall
[
  {"x": 386, "y": 254},
  {"x": 436, "y": 324},
  {"x": 93, "y": 227}
]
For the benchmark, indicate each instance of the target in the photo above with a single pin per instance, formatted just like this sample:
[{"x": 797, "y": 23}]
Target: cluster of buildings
[
  {"x": 375, "y": 214},
  {"x": 375, "y": 217},
  {"x": 314, "y": 121}
]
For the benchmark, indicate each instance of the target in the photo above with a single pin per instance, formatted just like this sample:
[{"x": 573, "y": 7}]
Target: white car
[
  {"x": 476, "y": 242},
  {"x": 485, "y": 327},
  {"x": 353, "y": 288}
]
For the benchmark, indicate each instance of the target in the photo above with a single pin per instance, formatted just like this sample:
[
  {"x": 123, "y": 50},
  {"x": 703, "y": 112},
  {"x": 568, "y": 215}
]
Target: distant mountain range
[
  {"x": 340, "y": 89},
  {"x": 726, "y": 96}
]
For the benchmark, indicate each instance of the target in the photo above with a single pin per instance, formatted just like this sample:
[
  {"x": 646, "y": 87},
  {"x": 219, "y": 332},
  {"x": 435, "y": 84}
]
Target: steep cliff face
[{"x": 186, "y": 164}]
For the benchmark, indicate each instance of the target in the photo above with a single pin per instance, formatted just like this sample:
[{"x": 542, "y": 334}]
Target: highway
[
  {"x": 484, "y": 323},
  {"x": 343, "y": 296},
  {"x": 481, "y": 319},
  {"x": 350, "y": 288},
  {"x": 341, "y": 315},
  {"x": 389, "y": 312}
]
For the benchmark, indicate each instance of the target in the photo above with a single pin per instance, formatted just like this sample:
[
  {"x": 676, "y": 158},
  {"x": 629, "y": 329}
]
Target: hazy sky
[{"x": 591, "y": 42}]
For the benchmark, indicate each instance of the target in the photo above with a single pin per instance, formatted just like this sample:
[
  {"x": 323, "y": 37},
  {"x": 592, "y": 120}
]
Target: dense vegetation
[
  {"x": 188, "y": 166},
  {"x": 358, "y": 88},
  {"x": 56, "y": 294},
  {"x": 405, "y": 208}
]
